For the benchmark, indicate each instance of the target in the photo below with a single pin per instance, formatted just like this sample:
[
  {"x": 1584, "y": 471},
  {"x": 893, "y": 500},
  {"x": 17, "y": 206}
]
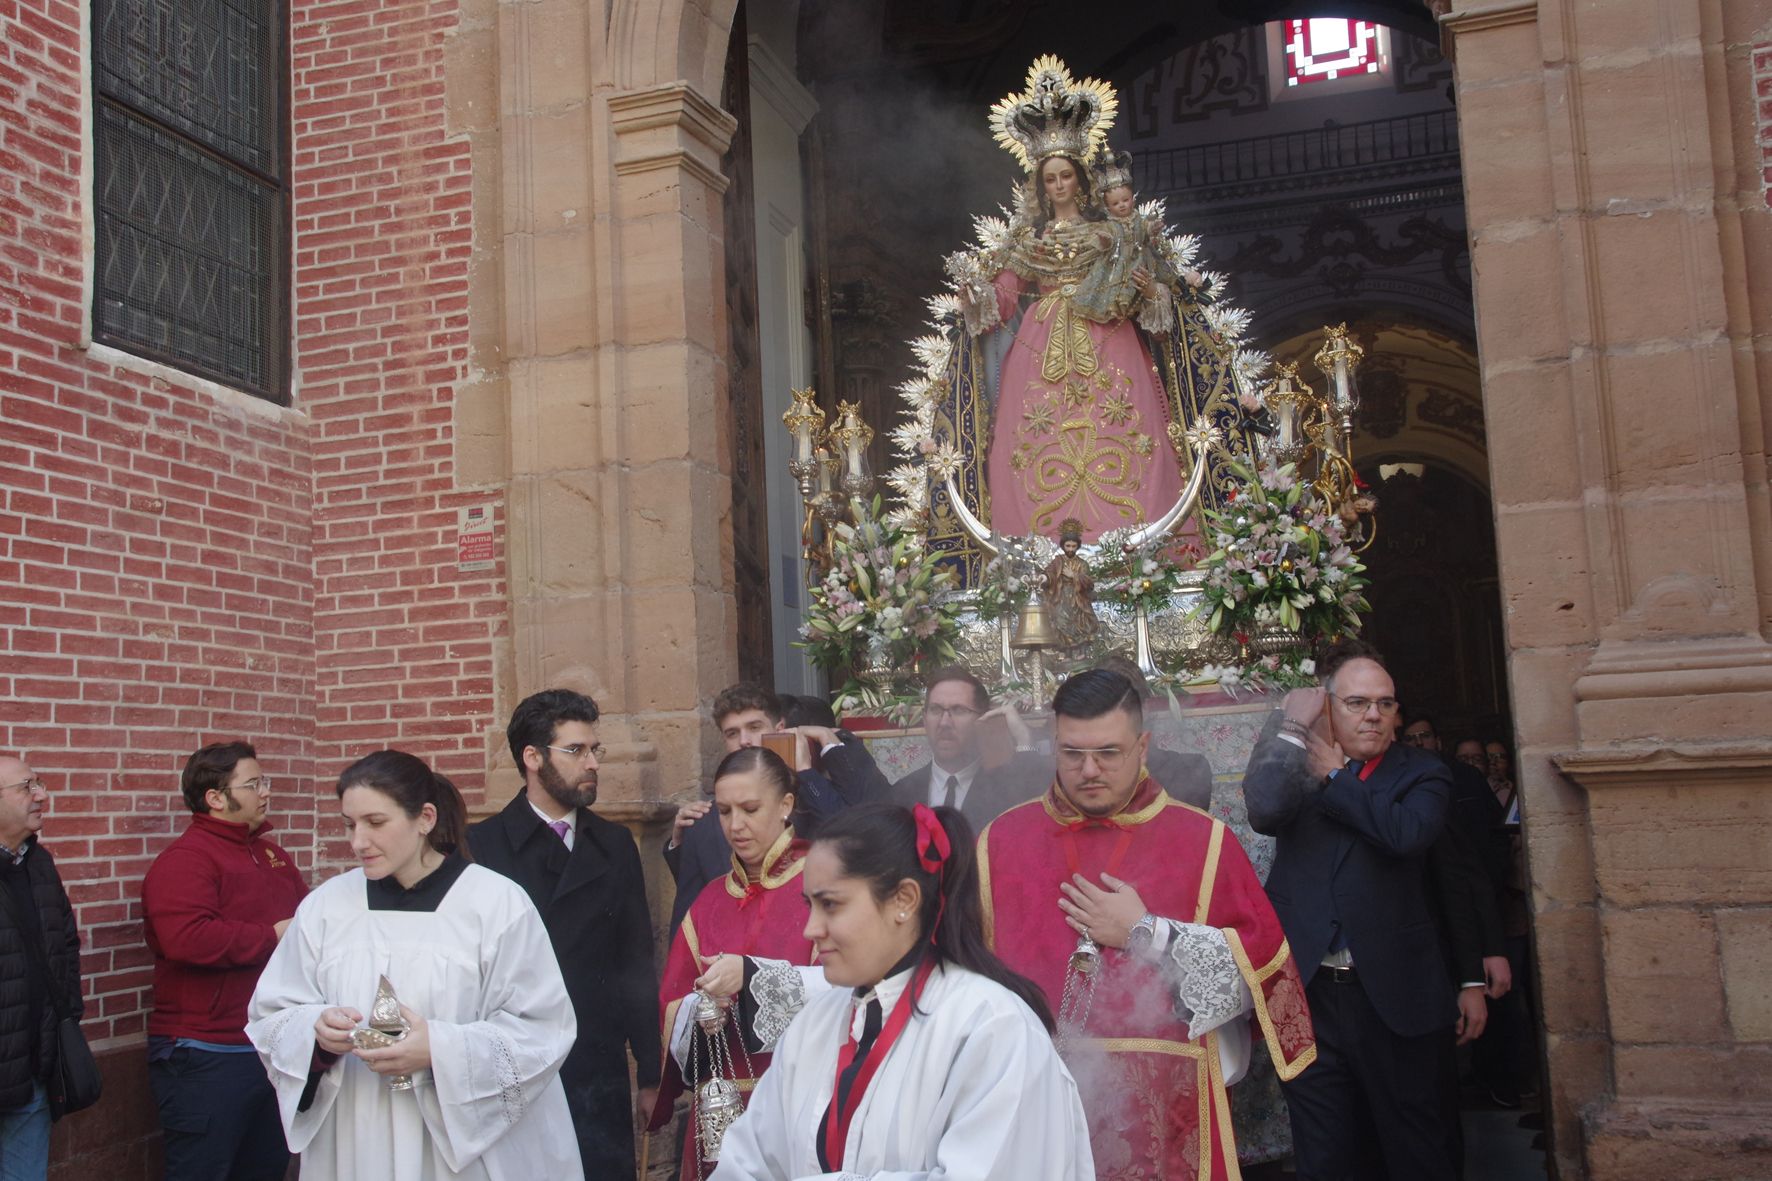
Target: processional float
[{"x": 1232, "y": 579}]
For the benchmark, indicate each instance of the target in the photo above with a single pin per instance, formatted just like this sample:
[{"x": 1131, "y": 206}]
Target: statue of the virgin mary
[
  {"x": 1078, "y": 423},
  {"x": 1074, "y": 349}
]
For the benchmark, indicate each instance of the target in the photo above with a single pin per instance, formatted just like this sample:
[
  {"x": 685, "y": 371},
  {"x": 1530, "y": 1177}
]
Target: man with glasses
[
  {"x": 583, "y": 874},
  {"x": 215, "y": 905},
  {"x": 216, "y": 901},
  {"x": 39, "y": 973},
  {"x": 1160, "y": 1025},
  {"x": 956, "y": 708},
  {"x": 1354, "y": 816}
]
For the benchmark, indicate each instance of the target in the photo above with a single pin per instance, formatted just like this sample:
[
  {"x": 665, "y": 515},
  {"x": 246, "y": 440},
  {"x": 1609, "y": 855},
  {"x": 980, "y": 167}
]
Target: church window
[
  {"x": 1324, "y": 49},
  {"x": 190, "y": 186}
]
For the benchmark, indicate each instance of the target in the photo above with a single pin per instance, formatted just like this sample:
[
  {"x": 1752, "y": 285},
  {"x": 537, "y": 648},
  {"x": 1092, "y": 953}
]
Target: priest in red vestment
[
  {"x": 743, "y": 944},
  {"x": 1144, "y": 923}
]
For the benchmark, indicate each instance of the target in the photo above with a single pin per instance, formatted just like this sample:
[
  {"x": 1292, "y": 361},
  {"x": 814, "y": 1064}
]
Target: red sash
[{"x": 836, "y": 1129}]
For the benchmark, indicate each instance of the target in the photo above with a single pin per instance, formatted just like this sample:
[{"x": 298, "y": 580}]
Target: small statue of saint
[{"x": 1069, "y": 590}]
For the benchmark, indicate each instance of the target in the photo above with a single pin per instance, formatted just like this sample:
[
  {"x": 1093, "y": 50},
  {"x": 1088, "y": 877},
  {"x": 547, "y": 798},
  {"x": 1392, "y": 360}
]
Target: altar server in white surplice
[
  {"x": 466, "y": 953},
  {"x": 933, "y": 1060}
]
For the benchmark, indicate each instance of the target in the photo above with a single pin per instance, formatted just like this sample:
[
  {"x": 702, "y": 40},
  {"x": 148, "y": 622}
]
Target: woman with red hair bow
[{"x": 933, "y": 1060}]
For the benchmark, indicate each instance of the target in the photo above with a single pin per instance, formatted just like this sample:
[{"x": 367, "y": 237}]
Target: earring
[{"x": 901, "y": 918}]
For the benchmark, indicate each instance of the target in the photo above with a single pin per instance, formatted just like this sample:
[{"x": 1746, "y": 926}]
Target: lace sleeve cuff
[
  {"x": 776, "y": 992},
  {"x": 978, "y": 306},
  {"x": 1209, "y": 987},
  {"x": 1157, "y": 316}
]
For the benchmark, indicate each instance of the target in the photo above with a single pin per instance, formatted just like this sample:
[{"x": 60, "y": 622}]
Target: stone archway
[
  {"x": 1619, "y": 232},
  {"x": 1619, "y": 235}
]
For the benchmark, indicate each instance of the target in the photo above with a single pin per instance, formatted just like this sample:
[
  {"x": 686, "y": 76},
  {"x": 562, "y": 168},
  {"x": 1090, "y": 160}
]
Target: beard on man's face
[{"x": 581, "y": 794}]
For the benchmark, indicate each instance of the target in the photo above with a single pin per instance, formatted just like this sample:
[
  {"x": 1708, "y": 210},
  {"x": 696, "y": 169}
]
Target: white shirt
[
  {"x": 571, "y": 819},
  {"x": 938, "y": 783},
  {"x": 482, "y": 970},
  {"x": 971, "y": 1090}
]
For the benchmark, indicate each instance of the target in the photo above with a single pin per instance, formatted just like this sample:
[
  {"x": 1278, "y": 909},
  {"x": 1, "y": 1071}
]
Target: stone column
[
  {"x": 1615, "y": 322},
  {"x": 667, "y": 417}
]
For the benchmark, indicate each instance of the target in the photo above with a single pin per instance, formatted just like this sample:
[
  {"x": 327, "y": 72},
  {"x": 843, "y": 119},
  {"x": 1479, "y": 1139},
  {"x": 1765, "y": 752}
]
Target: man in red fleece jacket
[{"x": 216, "y": 900}]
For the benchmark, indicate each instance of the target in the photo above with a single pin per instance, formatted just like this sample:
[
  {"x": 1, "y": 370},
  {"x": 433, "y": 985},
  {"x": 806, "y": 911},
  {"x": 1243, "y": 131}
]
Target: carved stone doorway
[{"x": 744, "y": 381}]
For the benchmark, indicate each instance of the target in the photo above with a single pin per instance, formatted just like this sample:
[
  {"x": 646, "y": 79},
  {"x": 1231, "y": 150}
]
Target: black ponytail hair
[
  {"x": 878, "y": 843},
  {"x": 409, "y": 781}
]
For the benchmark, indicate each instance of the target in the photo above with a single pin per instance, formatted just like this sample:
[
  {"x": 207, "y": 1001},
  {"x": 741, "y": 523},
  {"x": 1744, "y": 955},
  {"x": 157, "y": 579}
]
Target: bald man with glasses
[
  {"x": 1354, "y": 816},
  {"x": 39, "y": 972}
]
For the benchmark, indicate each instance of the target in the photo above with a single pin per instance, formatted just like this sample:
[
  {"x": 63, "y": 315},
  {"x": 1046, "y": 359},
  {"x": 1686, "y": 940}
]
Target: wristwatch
[{"x": 1143, "y": 931}]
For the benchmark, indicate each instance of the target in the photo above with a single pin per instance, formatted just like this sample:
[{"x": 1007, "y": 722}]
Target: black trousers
[
  {"x": 1369, "y": 1107},
  {"x": 219, "y": 1116}
]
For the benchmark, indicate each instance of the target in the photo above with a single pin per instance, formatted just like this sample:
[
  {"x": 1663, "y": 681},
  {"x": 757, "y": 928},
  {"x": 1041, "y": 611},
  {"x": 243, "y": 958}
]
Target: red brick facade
[{"x": 184, "y": 563}]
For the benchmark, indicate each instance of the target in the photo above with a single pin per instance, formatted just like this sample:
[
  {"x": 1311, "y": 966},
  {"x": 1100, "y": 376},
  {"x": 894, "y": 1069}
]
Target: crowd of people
[{"x": 1033, "y": 956}]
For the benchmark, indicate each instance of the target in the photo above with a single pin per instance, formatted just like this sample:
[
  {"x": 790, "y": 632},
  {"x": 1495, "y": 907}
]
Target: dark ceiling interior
[{"x": 980, "y": 49}]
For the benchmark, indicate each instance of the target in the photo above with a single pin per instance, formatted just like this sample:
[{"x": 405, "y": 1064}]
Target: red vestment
[
  {"x": 1156, "y": 1100},
  {"x": 734, "y": 915}
]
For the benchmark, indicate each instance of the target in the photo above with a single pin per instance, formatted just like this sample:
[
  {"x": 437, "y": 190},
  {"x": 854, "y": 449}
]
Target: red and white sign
[{"x": 473, "y": 539}]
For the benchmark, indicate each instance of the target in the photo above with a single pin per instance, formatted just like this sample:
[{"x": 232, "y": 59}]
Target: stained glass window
[
  {"x": 1322, "y": 49},
  {"x": 190, "y": 188}
]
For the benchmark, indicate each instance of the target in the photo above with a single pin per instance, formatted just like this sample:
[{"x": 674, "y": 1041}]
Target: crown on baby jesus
[{"x": 1116, "y": 173}]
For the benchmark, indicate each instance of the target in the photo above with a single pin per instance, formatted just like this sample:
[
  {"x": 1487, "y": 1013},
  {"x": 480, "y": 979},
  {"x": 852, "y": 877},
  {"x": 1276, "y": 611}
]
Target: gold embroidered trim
[
  {"x": 1141, "y": 1045},
  {"x": 738, "y": 879},
  {"x": 1068, "y": 819},
  {"x": 1209, "y": 874},
  {"x": 1269, "y": 1034}
]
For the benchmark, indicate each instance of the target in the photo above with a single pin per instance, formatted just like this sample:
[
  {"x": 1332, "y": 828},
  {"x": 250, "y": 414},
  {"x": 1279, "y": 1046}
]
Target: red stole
[
  {"x": 1156, "y": 1101},
  {"x": 734, "y": 915}
]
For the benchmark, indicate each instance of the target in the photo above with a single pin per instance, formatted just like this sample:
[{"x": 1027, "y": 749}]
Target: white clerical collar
[{"x": 886, "y": 992}]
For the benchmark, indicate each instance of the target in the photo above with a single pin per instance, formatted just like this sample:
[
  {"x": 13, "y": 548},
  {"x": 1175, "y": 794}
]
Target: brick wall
[
  {"x": 383, "y": 231},
  {"x": 181, "y": 563},
  {"x": 154, "y": 549}
]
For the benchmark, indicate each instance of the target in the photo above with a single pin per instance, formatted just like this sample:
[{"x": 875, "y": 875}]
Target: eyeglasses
[
  {"x": 1359, "y": 705},
  {"x": 941, "y": 713},
  {"x": 29, "y": 787},
  {"x": 258, "y": 785},
  {"x": 1108, "y": 758},
  {"x": 1420, "y": 738},
  {"x": 579, "y": 750}
]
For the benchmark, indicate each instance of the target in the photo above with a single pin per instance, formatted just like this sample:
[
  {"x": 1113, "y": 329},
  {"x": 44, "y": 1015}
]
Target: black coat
[
  {"x": 1185, "y": 775},
  {"x": 28, "y": 1017},
  {"x": 593, "y": 902},
  {"x": 1350, "y": 853},
  {"x": 994, "y": 790}
]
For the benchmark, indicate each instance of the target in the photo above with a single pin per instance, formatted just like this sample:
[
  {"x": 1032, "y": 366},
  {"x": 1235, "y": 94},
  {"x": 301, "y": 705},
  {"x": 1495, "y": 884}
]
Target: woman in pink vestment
[{"x": 1080, "y": 425}]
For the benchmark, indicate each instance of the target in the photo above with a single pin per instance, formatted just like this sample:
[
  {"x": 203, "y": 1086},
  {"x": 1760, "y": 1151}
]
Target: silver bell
[
  {"x": 1086, "y": 958},
  {"x": 708, "y": 1014}
]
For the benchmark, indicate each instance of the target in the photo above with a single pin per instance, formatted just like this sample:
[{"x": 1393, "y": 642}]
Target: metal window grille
[{"x": 190, "y": 197}]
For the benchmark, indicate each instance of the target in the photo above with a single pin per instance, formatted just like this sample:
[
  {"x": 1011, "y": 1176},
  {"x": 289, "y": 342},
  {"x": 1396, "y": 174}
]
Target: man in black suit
[
  {"x": 954, "y": 703},
  {"x": 583, "y": 874},
  {"x": 697, "y": 852},
  {"x": 1354, "y": 817},
  {"x": 1476, "y": 818}
]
